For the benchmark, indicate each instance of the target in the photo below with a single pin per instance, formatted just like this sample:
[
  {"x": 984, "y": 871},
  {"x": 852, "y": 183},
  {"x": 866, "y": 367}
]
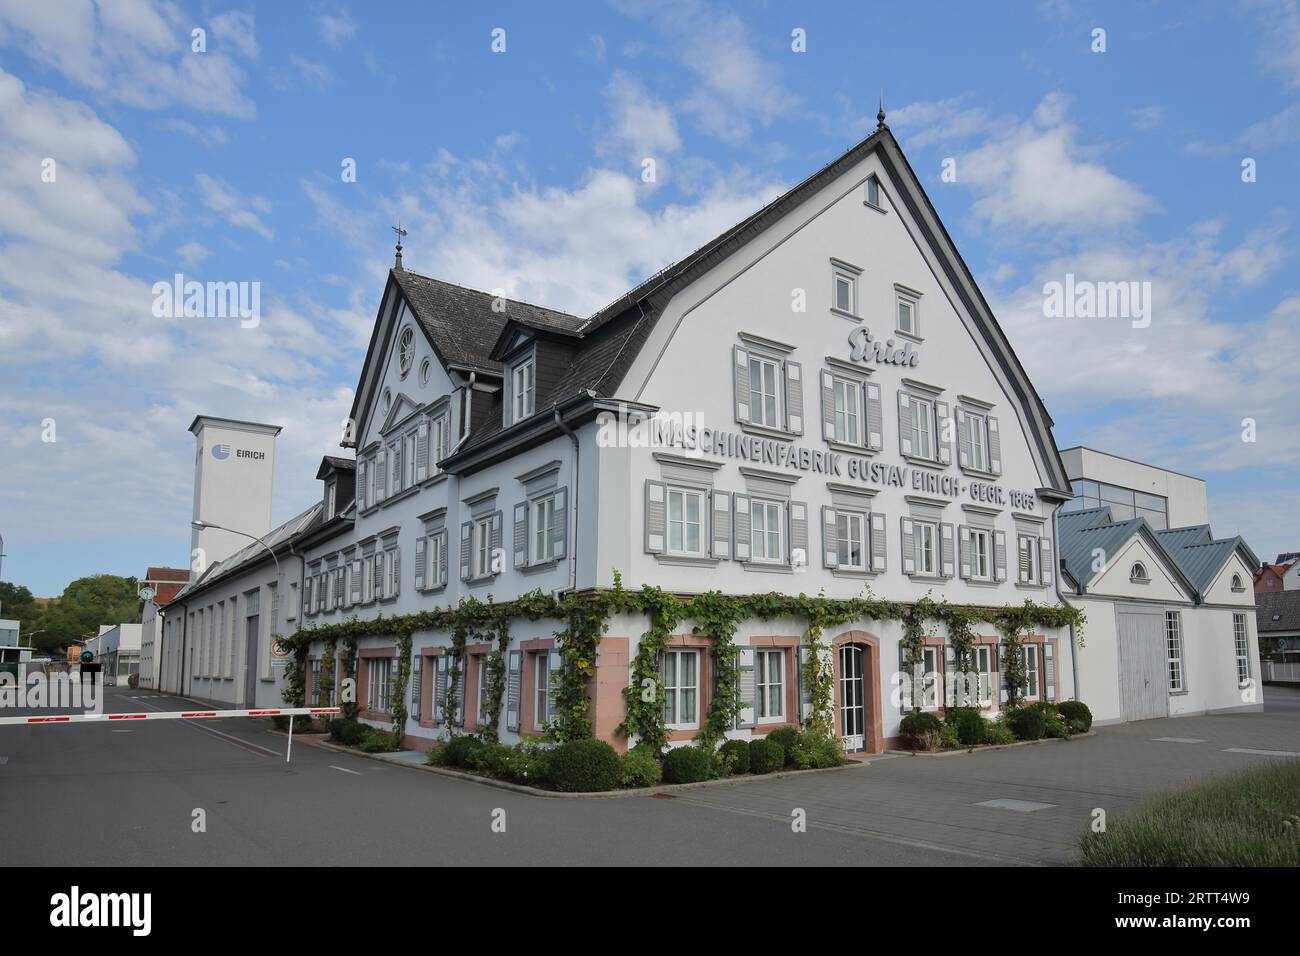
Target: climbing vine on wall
[{"x": 585, "y": 617}]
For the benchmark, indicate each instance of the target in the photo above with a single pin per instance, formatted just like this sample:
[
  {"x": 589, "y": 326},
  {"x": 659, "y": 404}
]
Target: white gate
[{"x": 1143, "y": 664}]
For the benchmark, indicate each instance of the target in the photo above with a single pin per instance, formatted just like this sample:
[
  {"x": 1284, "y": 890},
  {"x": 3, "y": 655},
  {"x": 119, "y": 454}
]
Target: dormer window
[
  {"x": 329, "y": 500},
  {"x": 523, "y": 390}
]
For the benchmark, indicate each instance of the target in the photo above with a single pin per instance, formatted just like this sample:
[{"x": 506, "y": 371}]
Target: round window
[
  {"x": 406, "y": 351},
  {"x": 425, "y": 371},
  {"x": 388, "y": 400}
]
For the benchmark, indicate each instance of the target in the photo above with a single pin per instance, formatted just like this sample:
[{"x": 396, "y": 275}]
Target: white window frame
[
  {"x": 977, "y": 440},
  {"x": 1174, "y": 651},
  {"x": 410, "y": 443},
  {"x": 541, "y": 688},
  {"x": 330, "y": 499},
  {"x": 925, "y": 559},
  {"x": 840, "y": 275},
  {"x": 541, "y": 529},
  {"x": 684, "y": 526},
  {"x": 848, "y": 417},
  {"x": 768, "y": 508},
  {"x": 923, "y": 413},
  {"x": 437, "y": 435},
  {"x": 873, "y": 192},
  {"x": 523, "y": 379},
  {"x": 844, "y": 541},
  {"x": 930, "y": 665},
  {"x": 769, "y": 676},
  {"x": 1241, "y": 648},
  {"x": 379, "y": 693},
  {"x": 675, "y": 690},
  {"x": 981, "y": 558},
  {"x": 433, "y": 560},
  {"x": 758, "y": 396},
  {"x": 1033, "y": 679},
  {"x": 982, "y": 656},
  {"x": 1027, "y": 571},
  {"x": 481, "y": 694},
  {"x": 913, "y": 305},
  {"x": 481, "y": 547}
]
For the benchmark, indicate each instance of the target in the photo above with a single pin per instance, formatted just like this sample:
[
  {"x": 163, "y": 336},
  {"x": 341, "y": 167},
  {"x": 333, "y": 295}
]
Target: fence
[{"x": 1275, "y": 672}]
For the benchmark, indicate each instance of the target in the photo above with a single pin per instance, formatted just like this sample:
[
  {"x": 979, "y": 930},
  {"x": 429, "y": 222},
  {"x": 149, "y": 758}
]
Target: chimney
[{"x": 233, "y": 467}]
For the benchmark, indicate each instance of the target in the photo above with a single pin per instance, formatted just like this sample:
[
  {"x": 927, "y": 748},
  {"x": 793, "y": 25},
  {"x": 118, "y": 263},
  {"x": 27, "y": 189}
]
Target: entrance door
[
  {"x": 1143, "y": 670},
  {"x": 250, "y": 660},
  {"x": 852, "y": 709}
]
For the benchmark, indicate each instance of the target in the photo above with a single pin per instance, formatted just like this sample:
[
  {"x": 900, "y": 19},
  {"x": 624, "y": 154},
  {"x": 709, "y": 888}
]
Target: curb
[
  {"x": 986, "y": 748},
  {"x": 665, "y": 788}
]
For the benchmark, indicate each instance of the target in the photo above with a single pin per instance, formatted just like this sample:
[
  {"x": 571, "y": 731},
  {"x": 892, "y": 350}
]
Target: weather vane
[{"x": 401, "y": 234}]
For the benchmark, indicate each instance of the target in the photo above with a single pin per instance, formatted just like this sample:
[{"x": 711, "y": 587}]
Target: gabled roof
[
  {"x": 1284, "y": 604},
  {"x": 254, "y": 553},
  {"x": 1201, "y": 556},
  {"x": 331, "y": 463},
  {"x": 1181, "y": 537}
]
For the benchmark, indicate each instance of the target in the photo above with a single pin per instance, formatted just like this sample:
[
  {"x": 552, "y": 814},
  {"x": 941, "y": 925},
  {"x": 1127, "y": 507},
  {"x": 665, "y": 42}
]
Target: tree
[{"x": 86, "y": 604}]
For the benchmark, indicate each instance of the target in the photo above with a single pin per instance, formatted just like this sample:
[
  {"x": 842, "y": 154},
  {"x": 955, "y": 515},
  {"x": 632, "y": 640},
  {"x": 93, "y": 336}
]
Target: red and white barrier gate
[{"x": 179, "y": 715}]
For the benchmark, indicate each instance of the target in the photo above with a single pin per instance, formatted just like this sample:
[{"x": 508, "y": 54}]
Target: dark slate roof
[
  {"x": 333, "y": 463},
  {"x": 461, "y": 322},
  {"x": 1285, "y": 604}
]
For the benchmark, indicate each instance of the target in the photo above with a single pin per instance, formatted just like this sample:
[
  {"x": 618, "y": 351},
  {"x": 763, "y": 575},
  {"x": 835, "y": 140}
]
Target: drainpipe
[
  {"x": 1056, "y": 583},
  {"x": 573, "y": 551}
]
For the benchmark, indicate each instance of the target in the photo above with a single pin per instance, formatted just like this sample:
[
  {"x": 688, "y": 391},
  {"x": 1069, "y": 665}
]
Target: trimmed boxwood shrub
[
  {"x": 918, "y": 722},
  {"x": 969, "y": 724},
  {"x": 585, "y": 766},
  {"x": 1027, "y": 723},
  {"x": 997, "y": 732},
  {"x": 347, "y": 731},
  {"x": 735, "y": 756},
  {"x": 814, "y": 751},
  {"x": 375, "y": 741},
  {"x": 641, "y": 767},
  {"x": 1076, "y": 710},
  {"x": 688, "y": 765},
  {"x": 765, "y": 755},
  {"x": 462, "y": 751},
  {"x": 787, "y": 737}
]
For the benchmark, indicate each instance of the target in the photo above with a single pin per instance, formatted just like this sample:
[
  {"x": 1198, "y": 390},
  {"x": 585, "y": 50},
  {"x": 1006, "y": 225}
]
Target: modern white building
[
  {"x": 117, "y": 649},
  {"x": 1171, "y": 624},
  {"x": 11, "y": 650}
]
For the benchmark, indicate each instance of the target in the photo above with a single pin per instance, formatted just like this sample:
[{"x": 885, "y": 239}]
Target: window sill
[
  {"x": 687, "y": 560},
  {"x": 880, "y": 209},
  {"x": 1178, "y": 693},
  {"x": 927, "y": 578},
  {"x": 539, "y": 566},
  {"x": 979, "y": 473},
  {"x": 853, "y": 573},
  {"x": 767, "y": 431},
  {"x": 909, "y": 336},
  {"x": 1030, "y": 586},
  {"x": 772, "y": 566},
  {"x": 433, "y": 590},
  {"x": 480, "y": 580},
  {"x": 845, "y": 315},
  {"x": 981, "y": 583},
  {"x": 849, "y": 448},
  {"x": 924, "y": 462}
]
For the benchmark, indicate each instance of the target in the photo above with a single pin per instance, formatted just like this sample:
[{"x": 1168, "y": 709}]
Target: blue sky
[{"x": 521, "y": 170}]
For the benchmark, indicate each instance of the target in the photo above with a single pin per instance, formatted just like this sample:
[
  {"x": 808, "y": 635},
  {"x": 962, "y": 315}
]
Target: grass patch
[{"x": 1246, "y": 818}]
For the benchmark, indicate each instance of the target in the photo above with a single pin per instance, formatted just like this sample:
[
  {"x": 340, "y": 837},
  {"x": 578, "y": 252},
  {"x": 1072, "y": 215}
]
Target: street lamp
[{"x": 204, "y": 525}]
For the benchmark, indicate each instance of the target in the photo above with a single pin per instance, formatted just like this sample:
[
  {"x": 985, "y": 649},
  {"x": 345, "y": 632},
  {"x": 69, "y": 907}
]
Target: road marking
[
  {"x": 1261, "y": 753},
  {"x": 1180, "y": 740},
  {"x": 345, "y": 770},
  {"x": 1018, "y": 806},
  {"x": 237, "y": 741}
]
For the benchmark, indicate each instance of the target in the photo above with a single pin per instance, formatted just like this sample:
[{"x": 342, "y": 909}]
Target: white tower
[{"x": 233, "y": 467}]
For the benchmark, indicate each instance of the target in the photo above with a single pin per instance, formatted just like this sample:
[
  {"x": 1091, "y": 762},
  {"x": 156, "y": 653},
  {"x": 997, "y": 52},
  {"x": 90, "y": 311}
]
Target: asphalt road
[{"x": 127, "y": 796}]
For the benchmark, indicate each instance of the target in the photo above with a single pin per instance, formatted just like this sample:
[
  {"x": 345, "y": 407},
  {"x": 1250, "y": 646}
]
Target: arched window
[
  {"x": 1236, "y": 583},
  {"x": 1138, "y": 573},
  {"x": 406, "y": 350}
]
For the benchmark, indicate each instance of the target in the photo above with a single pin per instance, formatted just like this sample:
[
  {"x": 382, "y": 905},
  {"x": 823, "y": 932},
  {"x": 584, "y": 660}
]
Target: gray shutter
[
  {"x": 442, "y": 562},
  {"x": 999, "y": 555},
  {"x": 395, "y": 465},
  {"x": 830, "y": 538},
  {"x": 740, "y": 372},
  {"x": 358, "y": 577},
  {"x": 466, "y": 536},
  {"x": 361, "y": 486},
  {"x": 963, "y": 440},
  {"x": 338, "y": 586},
  {"x": 945, "y": 549},
  {"x": 721, "y": 530},
  {"x": 381, "y": 475},
  {"x": 805, "y": 688},
  {"x": 1049, "y": 670},
  {"x": 379, "y": 574},
  {"x": 995, "y": 447},
  {"x": 875, "y": 418},
  {"x": 560, "y": 529},
  {"x": 794, "y": 397},
  {"x": 462, "y": 671},
  {"x": 949, "y": 675},
  {"x": 421, "y": 562},
  {"x": 656, "y": 517},
  {"x": 521, "y": 534},
  {"x": 748, "y": 714},
  {"x": 905, "y": 686},
  {"x": 963, "y": 551},
  {"x": 798, "y": 533},
  {"x": 941, "y": 439},
  {"x": 395, "y": 574},
  {"x": 514, "y": 674},
  {"x": 1047, "y": 574},
  {"x": 422, "y": 452},
  {"x": 877, "y": 541},
  {"x": 740, "y": 526},
  {"x": 828, "y": 405},
  {"x": 908, "y": 547},
  {"x": 415, "y": 687},
  {"x": 904, "y": 423},
  {"x": 306, "y": 594},
  {"x": 1001, "y": 681},
  {"x": 497, "y": 521},
  {"x": 1024, "y": 557}
]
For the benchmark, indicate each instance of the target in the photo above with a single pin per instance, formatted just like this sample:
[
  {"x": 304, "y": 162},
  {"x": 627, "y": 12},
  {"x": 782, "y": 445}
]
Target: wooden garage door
[{"x": 1143, "y": 675}]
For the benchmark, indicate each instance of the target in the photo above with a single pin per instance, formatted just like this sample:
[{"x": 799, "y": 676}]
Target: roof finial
[
  {"x": 880, "y": 115},
  {"x": 400, "y": 233}
]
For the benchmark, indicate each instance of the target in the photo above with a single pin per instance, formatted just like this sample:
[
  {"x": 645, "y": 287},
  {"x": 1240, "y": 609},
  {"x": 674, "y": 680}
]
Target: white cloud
[
  {"x": 335, "y": 27},
  {"x": 317, "y": 74},
  {"x": 1280, "y": 22},
  {"x": 137, "y": 53},
  {"x": 641, "y": 126},
  {"x": 223, "y": 199},
  {"x": 1280, "y": 129},
  {"x": 192, "y": 253}
]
